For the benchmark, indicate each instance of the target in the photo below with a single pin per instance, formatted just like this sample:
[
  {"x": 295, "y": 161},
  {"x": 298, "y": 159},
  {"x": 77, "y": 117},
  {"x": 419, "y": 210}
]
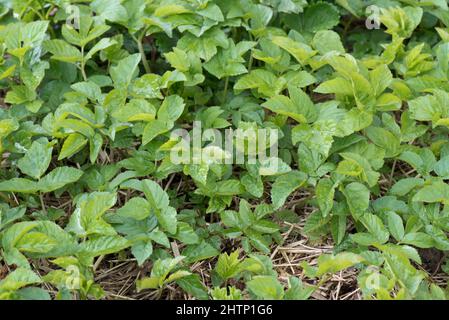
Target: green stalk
[
  {"x": 250, "y": 63},
  {"x": 138, "y": 41},
  {"x": 41, "y": 197},
  {"x": 25, "y": 7},
  {"x": 225, "y": 90},
  {"x": 145, "y": 63},
  {"x": 83, "y": 64}
]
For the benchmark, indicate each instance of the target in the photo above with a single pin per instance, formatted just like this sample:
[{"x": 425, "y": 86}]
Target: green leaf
[
  {"x": 110, "y": 10},
  {"x": 375, "y": 227},
  {"x": 7, "y": 126},
  {"x": 37, "y": 159},
  {"x": 404, "y": 186},
  {"x": 35, "y": 242},
  {"x": 162, "y": 267},
  {"x": 253, "y": 185},
  {"x": 13, "y": 234},
  {"x": 19, "y": 278},
  {"x": 202, "y": 251},
  {"x": 297, "y": 290},
  {"x": 318, "y": 137},
  {"x": 100, "y": 45},
  {"x": 357, "y": 166},
  {"x": 273, "y": 166},
  {"x": 327, "y": 41},
  {"x": 33, "y": 293},
  {"x": 284, "y": 185},
  {"x": 228, "y": 188},
  {"x": 205, "y": 46},
  {"x": 155, "y": 128},
  {"x": 384, "y": 139},
  {"x": 159, "y": 202},
  {"x": 395, "y": 226},
  {"x": 125, "y": 70},
  {"x": 87, "y": 217},
  {"x": 159, "y": 237},
  {"x": 437, "y": 191},
  {"x": 193, "y": 285},
  {"x": 171, "y": 109},
  {"x": 265, "y": 287},
  {"x": 142, "y": 251},
  {"x": 89, "y": 89},
  {"x": 170, "y": 9},
  {"x": 148, "y": 86},
  {"x": 337, "y": 86},
  {"x": 265, "y": 82},
  {"x": 380, "y": 79},
  {"x": 147, "y": 283},
  {"x": 229, "y": 62},
  {"x": 333, "y": 263},
  {"x": 441, "y": 168},
  {"x": 103, "y": 245},
  {"x": 178, "y": 60},
  {"x": 325, "y": 191},
  {"x": 74, "y": 143},
  {"x": 19, "y": 185},
  {"x": 228, "y": 266},
  {"x": 418, "y": 239},
  {"x": 186, "y": 234},
  {"x": 401, "y": 21},
  {"x": 320, "y": 16},
  {"x": 63, "y": 51},
  {"x": 357, "y": 197},
  {"x": 298, "y": 106},
  {"x": 58, "y": 178},
  {"x": 136, "y": 208},
  {"x": 300, "y": 51}
]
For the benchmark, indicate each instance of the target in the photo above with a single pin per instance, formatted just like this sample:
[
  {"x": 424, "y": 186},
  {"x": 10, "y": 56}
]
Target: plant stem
[
  {"x": 225, "y": 90},
  {"x": 159, "y": 293},
  {"x": 138, "y": 41},
  {"x": 47, "y": 15},
  {"x": 24, "y": 9},
  {"x": 97, "y": 263},
  {"x": 146, "y": 65},
  {"x": 83, "y": 64},
  {"x": 42, "y": 203},
  {"x": 4, "y": 197},
  {"x": 83, "y": 73},
  {"x": 250, "y": 63}
]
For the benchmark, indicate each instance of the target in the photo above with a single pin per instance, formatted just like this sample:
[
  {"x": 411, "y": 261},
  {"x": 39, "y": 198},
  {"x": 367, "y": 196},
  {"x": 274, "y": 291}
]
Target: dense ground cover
[{"x": 354, "y": 205}]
